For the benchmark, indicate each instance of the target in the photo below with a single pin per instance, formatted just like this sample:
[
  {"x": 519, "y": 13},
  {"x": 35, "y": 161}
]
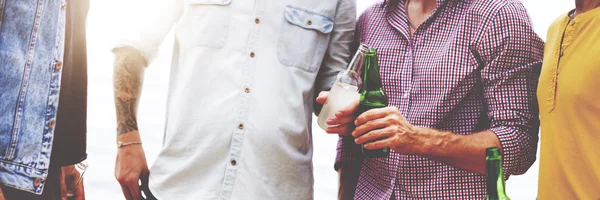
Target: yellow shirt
[{"x": 569, "y": 100}]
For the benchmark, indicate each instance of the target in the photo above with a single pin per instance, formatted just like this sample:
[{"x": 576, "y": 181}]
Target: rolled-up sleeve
[
  {"x": 148, "y": 25},
  {"x": 338, "y": 53},
  {"x": 512, "y": 55}
]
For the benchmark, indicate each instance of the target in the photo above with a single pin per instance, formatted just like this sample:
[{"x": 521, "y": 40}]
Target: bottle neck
[
  {"x": 372, "y": 80},
  {"x": 357, "y": 63},
  {"x": 495, "y": 178}
]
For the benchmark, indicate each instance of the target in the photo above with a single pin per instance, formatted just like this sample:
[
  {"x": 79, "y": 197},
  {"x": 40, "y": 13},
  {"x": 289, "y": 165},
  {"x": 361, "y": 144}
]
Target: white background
[{"x": 104, "y": 24}]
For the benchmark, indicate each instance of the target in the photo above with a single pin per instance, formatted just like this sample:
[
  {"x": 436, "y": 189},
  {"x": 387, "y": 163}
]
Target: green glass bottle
[
  {"x": 372, "y": 96},
  {"x": 494, "y": 175}
]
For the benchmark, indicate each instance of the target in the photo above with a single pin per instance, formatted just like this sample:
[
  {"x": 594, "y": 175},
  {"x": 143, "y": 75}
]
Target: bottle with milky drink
[
  {"x": 494, "y": 175},
  {"x": 345, "y": 89},
  {"x": 372, "y": 96}
]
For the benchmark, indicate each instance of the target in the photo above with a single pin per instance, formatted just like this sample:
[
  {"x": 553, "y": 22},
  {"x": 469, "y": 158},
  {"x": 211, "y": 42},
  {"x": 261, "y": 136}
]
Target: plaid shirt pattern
[{"x": 472, "y": 66}]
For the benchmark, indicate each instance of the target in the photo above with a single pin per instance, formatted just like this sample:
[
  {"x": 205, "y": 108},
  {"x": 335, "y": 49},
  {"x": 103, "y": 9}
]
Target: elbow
[{"x": 129, "y": 56}]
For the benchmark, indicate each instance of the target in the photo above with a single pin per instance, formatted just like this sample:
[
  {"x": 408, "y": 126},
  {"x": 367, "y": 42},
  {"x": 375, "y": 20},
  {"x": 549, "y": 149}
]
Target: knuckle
[
  {"x": 358, "y": 120},
  {"x": 401, "y": 131},
  {"x": 380, "y": 132},
  {"x": 130, "y": 180},
  {"x": 390, "y": 120},
  {"x": 120, "y": 178},
  {"x": 368, "y": 124}
]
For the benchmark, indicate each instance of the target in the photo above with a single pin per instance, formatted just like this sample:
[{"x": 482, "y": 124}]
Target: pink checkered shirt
[{"x": 473, "y": 65}]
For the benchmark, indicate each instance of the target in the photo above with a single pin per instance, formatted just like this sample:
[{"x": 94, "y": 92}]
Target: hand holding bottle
[
  {"x": 380, "y": 128},
  {"x": 342, "y": 123}
]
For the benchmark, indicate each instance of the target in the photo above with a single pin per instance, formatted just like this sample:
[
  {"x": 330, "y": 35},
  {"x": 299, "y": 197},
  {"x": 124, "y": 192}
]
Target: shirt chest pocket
[
  {"x": 207, "y": 22},
  {"x": 304, "y": 38}
]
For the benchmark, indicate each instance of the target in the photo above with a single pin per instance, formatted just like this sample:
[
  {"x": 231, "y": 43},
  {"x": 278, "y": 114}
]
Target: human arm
[
  {"x": 132, "y": 55},
  {"x": 338, "y": 54},
  {"x": 336, "y": 60},
  {"x": 386, "y": 127},
  {"x": 131, "y": 163}
]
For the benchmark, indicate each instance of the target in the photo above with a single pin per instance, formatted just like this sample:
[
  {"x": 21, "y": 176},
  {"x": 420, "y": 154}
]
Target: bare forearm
[
  {"x": 462, "y": 151},
  {"x": 128, "y": 79}
]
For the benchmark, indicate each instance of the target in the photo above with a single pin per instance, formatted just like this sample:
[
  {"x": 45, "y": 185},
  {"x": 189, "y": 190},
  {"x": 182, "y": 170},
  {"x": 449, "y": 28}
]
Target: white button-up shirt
[{"x": 241, "y": 93}]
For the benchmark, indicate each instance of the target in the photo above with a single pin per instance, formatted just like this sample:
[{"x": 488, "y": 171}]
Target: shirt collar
[{"x": 401, "y": 2}]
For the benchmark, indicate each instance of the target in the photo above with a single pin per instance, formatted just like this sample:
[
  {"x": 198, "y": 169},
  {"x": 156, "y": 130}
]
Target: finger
[
  {"x": 79, "y": 191},
  {"x": 341, "y": 120},
  {"x": 322, "y": 97},
  {"x": 372, "y": 114},
  {"x": 380, "y": 134},
  {"x": 369, "y": 126},
  {"x": 135, "y": 190},
  {"x": 126, "y": 192},
  {"x": 379, "y": 144},
  {"x": 349, "y": 109},
  {"x": 343, "y": 130}
]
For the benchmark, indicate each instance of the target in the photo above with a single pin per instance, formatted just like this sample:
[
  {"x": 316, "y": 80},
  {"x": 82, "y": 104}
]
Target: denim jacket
[{"x": 31, "y": 53}]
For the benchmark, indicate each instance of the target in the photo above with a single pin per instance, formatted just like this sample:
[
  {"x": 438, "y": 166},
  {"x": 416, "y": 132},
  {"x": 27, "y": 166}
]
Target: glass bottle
[
  {"x": 372, "y": 96},
  {"x": 494, "y": 175}
]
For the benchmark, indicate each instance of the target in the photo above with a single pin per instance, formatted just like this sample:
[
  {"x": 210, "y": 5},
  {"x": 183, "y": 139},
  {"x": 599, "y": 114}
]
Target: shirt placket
[
  {"x": 243, "y": 107},
  {"x": 407, "y": 78},
  {"x": 567, "y": 37}
]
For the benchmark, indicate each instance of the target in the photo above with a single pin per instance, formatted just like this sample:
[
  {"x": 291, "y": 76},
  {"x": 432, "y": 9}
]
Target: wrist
[
  {"x": 124, "y": 144},
  {"x": 129, "y": 138},
  {"x": 437, "y": 142}
]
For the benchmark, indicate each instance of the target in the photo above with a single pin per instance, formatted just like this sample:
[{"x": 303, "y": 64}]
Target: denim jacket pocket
[
  {"x": 207, "y": 22},
  {"x": 304, "y": 38}
]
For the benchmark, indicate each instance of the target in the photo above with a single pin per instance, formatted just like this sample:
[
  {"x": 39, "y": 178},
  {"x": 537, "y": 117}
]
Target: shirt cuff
[
  {"x": 146, "y": 49},
  {"x": 518, "y": 149}
]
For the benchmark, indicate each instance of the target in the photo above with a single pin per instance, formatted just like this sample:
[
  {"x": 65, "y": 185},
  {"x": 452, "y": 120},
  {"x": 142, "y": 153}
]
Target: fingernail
[{"x": 330, "y": 121}]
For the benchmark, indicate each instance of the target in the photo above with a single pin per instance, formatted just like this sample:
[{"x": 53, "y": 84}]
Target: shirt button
[
  {"x": 309, "y": 22},
  {"x": 406, "y": 95},
  {"x": 252, "y": 54},
  {"x": 58, "y": 65},
  {"x": 51, "y": 123},
  {"x": 247, "y": 90},
  {"x": 233, "y": 162},
  {"x": 241, "y": 126},
  {"x": 257, "y": 21},
  {"x": 37, "y": 182}
]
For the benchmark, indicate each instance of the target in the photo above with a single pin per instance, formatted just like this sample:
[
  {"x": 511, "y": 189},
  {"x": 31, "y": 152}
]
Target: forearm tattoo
[{"x": 128, "y": 79}]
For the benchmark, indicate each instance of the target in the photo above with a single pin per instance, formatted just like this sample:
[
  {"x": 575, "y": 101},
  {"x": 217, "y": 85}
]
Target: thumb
[
  {"x": 322, "y": 97},
  {"x": 80, "y": 191}
]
